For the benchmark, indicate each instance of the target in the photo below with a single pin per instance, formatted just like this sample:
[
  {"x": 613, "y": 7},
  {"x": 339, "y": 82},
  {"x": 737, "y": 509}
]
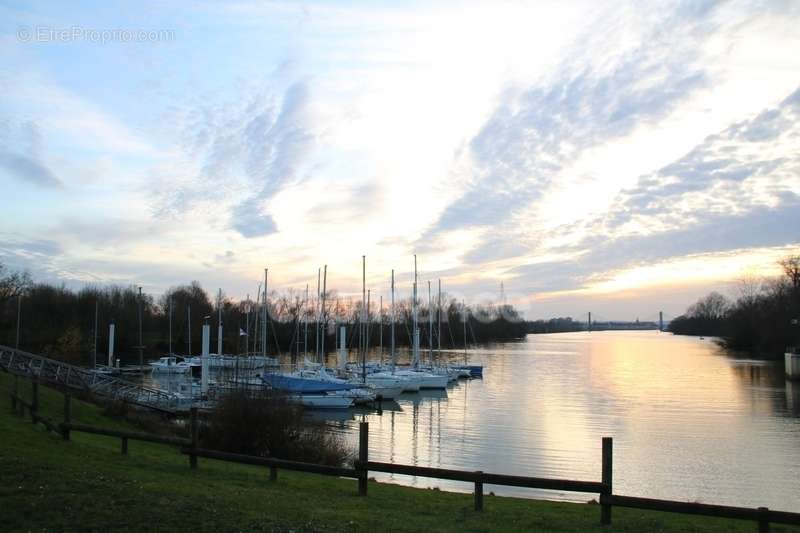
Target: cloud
[
  {"x": 26, "y": 163},
  {"x": 750, "y": 163},
  {"x": 534, "y": 133},
  {"x": 348, "y": 204},
  {"x": 249, "y": 151},
  {"x": 250, "y": 221},
  {"x": 761, "y": 227},
  {"x": 28, "y": 169},
  {"x": 736, "y": 190}
]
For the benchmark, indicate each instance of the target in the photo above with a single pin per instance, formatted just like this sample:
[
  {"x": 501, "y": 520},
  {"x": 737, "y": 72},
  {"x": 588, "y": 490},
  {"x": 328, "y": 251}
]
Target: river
[{"x": 689, "y": 422}]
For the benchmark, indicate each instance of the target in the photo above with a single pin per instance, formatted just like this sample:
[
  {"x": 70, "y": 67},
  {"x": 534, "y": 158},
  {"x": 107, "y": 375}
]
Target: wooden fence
[{"x": 362, "y": 466}]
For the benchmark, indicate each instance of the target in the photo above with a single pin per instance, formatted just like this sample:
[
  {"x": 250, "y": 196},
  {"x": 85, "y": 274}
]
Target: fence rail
[
  {"x": 272, "y": 462},
  {"x": 362, "y": 466},
  {"x": 761, "y": 514}
]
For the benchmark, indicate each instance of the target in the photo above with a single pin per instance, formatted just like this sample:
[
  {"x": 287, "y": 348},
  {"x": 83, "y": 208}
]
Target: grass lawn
[{"x": 86, "y": 484}]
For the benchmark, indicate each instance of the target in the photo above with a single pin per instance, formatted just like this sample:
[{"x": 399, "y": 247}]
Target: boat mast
[
  {"x": 323, "y": 318},
  {"x": 380, "y": 329},
  {"x": 361, "y": 329},
  {"x": 246, "y": 326},
  {"x": 439, "y": 317},
  {"x": 219, "y": 323},
  {"x": 430, "y": 324},
  {"x": 464, "y": 317},
  {"x": 392, "y": 345},
  {"x": 305, "y": 319},
  {"x": 256, "y": 319},
  {"x": 170, "y": 326},
  {"x": 415, "y": 328},
  {"x": 189, "y": 319},
  {"x": 264, "y": 325},
  {"x": 316, "y": 317}
]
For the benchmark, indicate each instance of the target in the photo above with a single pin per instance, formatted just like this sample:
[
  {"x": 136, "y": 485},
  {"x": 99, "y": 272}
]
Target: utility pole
[
  {"x": 19, "y": 314},
  {"x": 189, "y": 320},
  {"x": 141, "y": 346},
  {"x": 94, "y": 337}
]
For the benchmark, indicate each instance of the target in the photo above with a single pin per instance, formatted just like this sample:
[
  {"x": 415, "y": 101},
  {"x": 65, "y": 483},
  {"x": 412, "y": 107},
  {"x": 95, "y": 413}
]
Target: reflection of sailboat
[
  {"x": 386, "y": 405},
  {"x": 434, "y": 394},
  {"x": 329, "y": 415},
  {"x": 426, "y": 394}
]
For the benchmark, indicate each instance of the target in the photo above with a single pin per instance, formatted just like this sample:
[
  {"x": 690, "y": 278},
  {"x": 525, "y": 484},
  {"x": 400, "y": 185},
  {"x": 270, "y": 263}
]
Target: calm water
[{"x": 688, "y": 421}]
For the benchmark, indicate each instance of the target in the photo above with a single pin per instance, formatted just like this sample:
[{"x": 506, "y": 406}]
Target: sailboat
[{"x": 426, "y": 380}]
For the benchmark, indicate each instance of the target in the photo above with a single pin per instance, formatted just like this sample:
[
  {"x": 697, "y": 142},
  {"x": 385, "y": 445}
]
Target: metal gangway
[{"x": 97, "y": 383}]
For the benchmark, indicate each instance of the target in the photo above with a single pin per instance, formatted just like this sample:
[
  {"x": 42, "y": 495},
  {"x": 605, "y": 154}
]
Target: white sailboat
[{"x": 170, "y": 365}]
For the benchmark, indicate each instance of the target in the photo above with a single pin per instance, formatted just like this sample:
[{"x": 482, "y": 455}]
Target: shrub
[{"x": 268, "y": 424}]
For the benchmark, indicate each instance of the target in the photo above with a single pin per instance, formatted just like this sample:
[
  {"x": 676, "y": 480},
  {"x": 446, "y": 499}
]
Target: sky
[{"x": 615, "y": 157}]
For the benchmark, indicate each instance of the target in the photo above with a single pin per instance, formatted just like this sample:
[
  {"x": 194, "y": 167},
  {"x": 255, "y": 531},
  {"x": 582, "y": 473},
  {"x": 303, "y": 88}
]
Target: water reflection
[{"x": 689, "y": 422}]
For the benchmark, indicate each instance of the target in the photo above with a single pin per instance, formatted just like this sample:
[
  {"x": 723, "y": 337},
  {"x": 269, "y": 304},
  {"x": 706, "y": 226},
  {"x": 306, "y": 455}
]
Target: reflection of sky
[{"x": 688, "y": 422}]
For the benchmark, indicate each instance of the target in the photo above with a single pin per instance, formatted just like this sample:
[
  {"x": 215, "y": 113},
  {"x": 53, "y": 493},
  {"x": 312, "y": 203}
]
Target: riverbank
[{"x": 86, "y": 484}]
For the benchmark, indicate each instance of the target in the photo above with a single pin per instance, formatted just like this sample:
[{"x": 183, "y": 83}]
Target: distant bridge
[{"x": 106, "y": 386}]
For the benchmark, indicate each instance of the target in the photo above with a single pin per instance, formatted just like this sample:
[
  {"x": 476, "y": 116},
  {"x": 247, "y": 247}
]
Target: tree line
[
  {"x": 762, "y": 319},
  {"x": 60, "y": 322}
]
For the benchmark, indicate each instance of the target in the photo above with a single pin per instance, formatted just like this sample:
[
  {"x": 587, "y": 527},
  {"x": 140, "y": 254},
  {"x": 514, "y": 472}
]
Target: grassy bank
[{"x": 85, "y": 484}]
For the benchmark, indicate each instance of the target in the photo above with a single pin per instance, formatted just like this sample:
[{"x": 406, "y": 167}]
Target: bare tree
[
  {"x": 791, "y": 267},
  {"x": 12, "y": 284},
  {"x": 714, "y": 306}
]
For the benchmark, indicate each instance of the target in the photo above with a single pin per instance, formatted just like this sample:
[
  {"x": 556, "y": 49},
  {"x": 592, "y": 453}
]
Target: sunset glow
[{"x": 624, "y": 156}]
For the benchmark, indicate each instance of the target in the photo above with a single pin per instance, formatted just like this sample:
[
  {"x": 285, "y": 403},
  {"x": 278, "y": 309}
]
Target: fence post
[
  {"x": 193, "y": 425},
  {"x": 763, "y": 520},
  {"x": 67, "y": 417},
  {"x": 479, "y": 492},
  {"x": 363, "y": 457},
  {"x": 34, "y": 399},
  {"x": 605, "y": 504},
  {"x": 124, "y": 445}
]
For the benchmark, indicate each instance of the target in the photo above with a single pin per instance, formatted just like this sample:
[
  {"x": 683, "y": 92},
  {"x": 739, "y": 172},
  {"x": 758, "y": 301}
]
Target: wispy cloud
[
  {"x": 248, "y": 151},
  {"x": 535, "y": 132},
  {"x": 26, "y": 164}
]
